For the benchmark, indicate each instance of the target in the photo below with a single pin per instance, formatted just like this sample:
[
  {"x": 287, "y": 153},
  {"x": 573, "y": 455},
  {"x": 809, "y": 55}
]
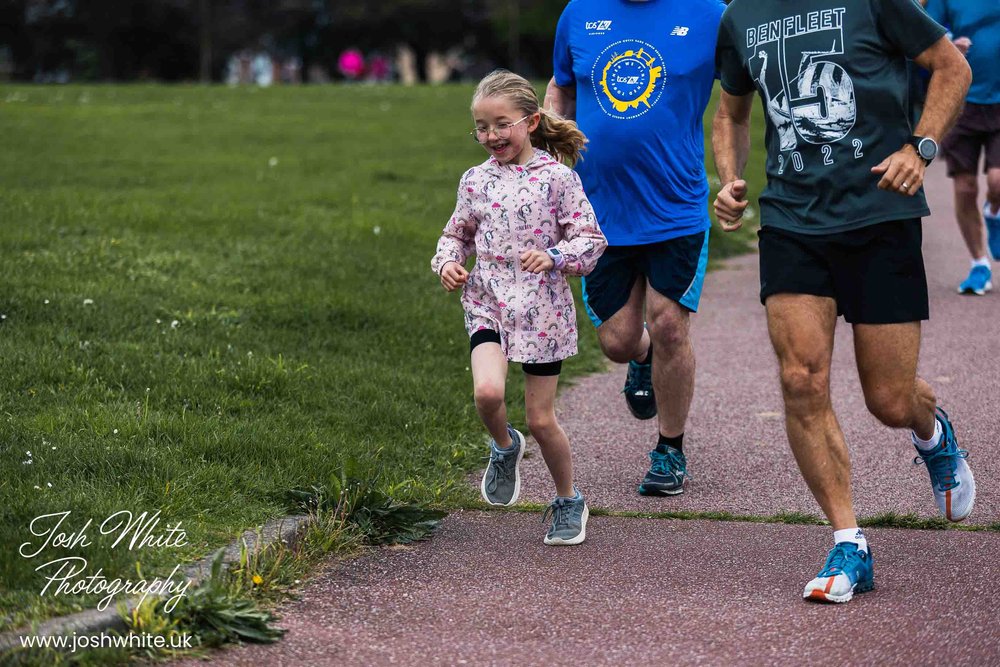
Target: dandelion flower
[
  {"x": 258, "y": 580},
  {"x": 273, "y": 162}
]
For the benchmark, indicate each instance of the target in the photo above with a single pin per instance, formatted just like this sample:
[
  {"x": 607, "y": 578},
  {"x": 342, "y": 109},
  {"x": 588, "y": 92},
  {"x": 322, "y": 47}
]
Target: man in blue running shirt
[
  {"x": 636, "y": 75},
  {"x": 840, "y": 230},
  {"x": 975, "y": 29}
]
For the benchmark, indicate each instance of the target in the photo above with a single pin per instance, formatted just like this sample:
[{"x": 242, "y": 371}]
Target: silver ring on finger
[{"x": 906, "y": 186}]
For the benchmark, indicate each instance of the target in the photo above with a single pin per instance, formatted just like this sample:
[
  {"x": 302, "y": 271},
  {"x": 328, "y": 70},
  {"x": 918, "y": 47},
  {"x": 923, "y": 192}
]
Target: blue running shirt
[
  {"x": 643, "y": 72},
  {"x": 979, "y": 20}
]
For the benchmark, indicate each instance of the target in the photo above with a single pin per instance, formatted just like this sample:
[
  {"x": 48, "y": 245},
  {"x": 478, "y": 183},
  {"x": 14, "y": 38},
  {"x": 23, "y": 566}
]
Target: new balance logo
[
  {"x": 598, "y": 26},
  {"x": 680, "y": 31}
]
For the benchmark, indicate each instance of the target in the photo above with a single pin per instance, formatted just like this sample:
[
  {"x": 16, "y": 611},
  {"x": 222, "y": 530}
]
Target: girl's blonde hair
[{"x": 560, "y": 137}]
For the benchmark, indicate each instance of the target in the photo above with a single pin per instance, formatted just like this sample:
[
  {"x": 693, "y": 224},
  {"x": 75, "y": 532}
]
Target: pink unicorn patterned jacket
[{"x": 502, "y": 212}]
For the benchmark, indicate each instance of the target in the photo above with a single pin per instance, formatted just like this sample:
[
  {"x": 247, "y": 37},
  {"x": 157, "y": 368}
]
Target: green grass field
[{"x": 212, "y": 296}]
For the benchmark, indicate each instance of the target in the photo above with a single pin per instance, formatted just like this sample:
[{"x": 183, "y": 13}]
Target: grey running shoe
[
  {"x": 667, "y": 472},
  {"x": 569, "y": 521},
  {"x": 501, "y": 483}
]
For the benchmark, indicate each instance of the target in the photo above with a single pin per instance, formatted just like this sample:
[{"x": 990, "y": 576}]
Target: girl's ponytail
[{"x": 560, "y": 137}]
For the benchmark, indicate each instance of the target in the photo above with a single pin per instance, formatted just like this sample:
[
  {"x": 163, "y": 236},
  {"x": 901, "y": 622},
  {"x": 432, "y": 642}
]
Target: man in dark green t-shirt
[{"x": 841, "y": 229}]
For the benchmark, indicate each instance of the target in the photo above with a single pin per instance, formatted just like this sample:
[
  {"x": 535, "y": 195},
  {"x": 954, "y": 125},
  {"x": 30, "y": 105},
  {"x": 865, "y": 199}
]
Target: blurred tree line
[{"x": 173, "y": 40}]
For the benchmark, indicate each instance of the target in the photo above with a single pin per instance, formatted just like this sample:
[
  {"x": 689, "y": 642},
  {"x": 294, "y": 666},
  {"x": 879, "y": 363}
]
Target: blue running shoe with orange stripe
[
  {"x": 951, "y": 478},
  {"x": 848, "y": 570}
]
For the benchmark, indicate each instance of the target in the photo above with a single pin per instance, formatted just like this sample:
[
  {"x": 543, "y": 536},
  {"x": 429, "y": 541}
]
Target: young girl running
[{"x": 526, "y": 218}]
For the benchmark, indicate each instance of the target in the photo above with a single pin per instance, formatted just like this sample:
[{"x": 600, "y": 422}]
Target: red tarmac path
[
  {"x": 735, "y": 443},
  {"x": 486, "y": 591}
]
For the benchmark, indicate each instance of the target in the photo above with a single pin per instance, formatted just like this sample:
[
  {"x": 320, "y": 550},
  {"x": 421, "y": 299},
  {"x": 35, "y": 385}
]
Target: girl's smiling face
[{"x": 509, "y": 145}]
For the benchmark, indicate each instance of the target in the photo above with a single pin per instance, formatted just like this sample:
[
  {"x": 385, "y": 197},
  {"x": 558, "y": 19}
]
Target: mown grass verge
[{"x": 214, "y": 296}]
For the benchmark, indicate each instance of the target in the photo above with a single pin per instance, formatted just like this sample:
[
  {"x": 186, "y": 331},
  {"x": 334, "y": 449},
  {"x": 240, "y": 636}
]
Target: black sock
[
  {"x": 664, "y": 442},
  {"x": 648, "y": 358}
]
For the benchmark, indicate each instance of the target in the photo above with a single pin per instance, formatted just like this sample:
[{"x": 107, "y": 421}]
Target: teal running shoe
[
  {"x": 667, "y": 472},
  {"x": 979, "y": 282},
  {"x": 501, "y": 483},
  {"x": 992, "y": 229},
  {"x": 639, "y": 390},
  {"x": 848, "y": 570},
  {"x": 951, "y": 478},
  {"x": 569, "y": 520}
]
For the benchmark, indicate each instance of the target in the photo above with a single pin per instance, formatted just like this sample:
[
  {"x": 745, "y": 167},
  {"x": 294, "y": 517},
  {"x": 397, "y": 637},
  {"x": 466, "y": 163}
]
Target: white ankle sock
[
  {"x": 982, "y": 261},
  {"x": 851, "y": 535},
  {"x": 927, "y": 445}
]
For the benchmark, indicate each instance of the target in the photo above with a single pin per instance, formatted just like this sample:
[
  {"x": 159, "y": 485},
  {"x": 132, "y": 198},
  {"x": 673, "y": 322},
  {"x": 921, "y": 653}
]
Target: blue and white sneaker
[
  {"x": 848, "y": 570},
  {"x": 951, "y": 478},
  {"x": 979, "y": 282},
  {"x": 568, "y": 520},
  {"x": 992, "y": 229},
  {"x": 501, "y": 483},
  {"x": 667, "y": 472}
]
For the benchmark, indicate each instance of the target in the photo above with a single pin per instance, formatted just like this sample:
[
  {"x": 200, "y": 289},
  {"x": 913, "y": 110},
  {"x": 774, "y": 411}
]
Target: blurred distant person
[
  {"x": 379, "y": 68},
  {"x": 351, "y": 64},
  {"x": 975, "y": 30},
  {"x": 263, "y": 70}
]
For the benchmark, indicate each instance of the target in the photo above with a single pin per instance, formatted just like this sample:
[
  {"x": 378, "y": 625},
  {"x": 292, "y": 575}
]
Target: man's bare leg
[
  {"x": 673, "y": 361},
  {"x": 969, "y": 214},
  {"x": 887, "y": 367},
  {"x": 623, "y": 336},
  {"x": 801, "y": 329}
]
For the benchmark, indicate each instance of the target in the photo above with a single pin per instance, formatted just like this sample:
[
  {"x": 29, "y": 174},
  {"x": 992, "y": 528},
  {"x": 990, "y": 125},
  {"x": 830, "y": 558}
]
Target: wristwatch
[
  {"x": 558, "y": 258},
  {"x": 926, "y": 147}
]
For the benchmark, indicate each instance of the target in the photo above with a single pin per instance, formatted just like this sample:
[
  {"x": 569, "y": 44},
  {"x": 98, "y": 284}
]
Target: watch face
[{"x": 927, "y": 149}]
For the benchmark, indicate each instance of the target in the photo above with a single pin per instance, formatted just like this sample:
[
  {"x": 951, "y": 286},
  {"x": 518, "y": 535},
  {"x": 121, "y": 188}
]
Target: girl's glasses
[{"x": 501, "y": 130}]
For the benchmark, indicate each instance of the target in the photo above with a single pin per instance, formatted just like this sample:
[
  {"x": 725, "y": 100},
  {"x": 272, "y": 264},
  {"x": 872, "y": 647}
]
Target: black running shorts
[{"x": 875, "y": 274}]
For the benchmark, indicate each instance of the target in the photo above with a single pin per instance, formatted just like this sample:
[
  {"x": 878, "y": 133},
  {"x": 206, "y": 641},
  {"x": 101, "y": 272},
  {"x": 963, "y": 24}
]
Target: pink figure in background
[{"x": 351, "y": 64}]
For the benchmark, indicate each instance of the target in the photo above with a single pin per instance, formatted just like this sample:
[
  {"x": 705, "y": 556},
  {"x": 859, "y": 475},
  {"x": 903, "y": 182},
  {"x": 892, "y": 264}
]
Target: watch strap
[{"x": 558, "y": 258}]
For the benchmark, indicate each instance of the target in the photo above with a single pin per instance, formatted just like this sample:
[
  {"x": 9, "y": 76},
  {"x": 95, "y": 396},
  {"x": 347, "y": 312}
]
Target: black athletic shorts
[
  {"x": 675, "y": 268},
  {"x": 976, "y": 132},
  {"x": 546, "y": 369},
  {"x": 875, "y": 274}
]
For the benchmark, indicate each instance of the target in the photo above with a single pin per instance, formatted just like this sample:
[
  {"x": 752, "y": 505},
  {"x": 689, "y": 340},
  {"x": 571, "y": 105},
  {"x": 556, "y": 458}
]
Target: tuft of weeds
[
  {"x": 373, "y": 511},
  {"x": 214, "y": 613}
]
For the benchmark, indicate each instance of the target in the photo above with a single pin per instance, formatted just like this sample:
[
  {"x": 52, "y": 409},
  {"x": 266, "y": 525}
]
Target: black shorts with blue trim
[{"x": 675, "y": 268}]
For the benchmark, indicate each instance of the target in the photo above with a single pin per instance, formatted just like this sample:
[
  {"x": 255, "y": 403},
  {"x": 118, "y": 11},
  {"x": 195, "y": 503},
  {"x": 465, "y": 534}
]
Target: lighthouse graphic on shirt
[{"x": 809, "y": 97}]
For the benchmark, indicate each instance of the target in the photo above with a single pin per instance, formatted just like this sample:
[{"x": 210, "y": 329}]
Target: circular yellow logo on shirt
[{"x": 631, "y": 78}]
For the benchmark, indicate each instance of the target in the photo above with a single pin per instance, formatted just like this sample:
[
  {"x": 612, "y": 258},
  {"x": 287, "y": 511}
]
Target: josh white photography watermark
[
  {"x": 55, "y": 535},
  {"x": 75, "y": 642}
]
